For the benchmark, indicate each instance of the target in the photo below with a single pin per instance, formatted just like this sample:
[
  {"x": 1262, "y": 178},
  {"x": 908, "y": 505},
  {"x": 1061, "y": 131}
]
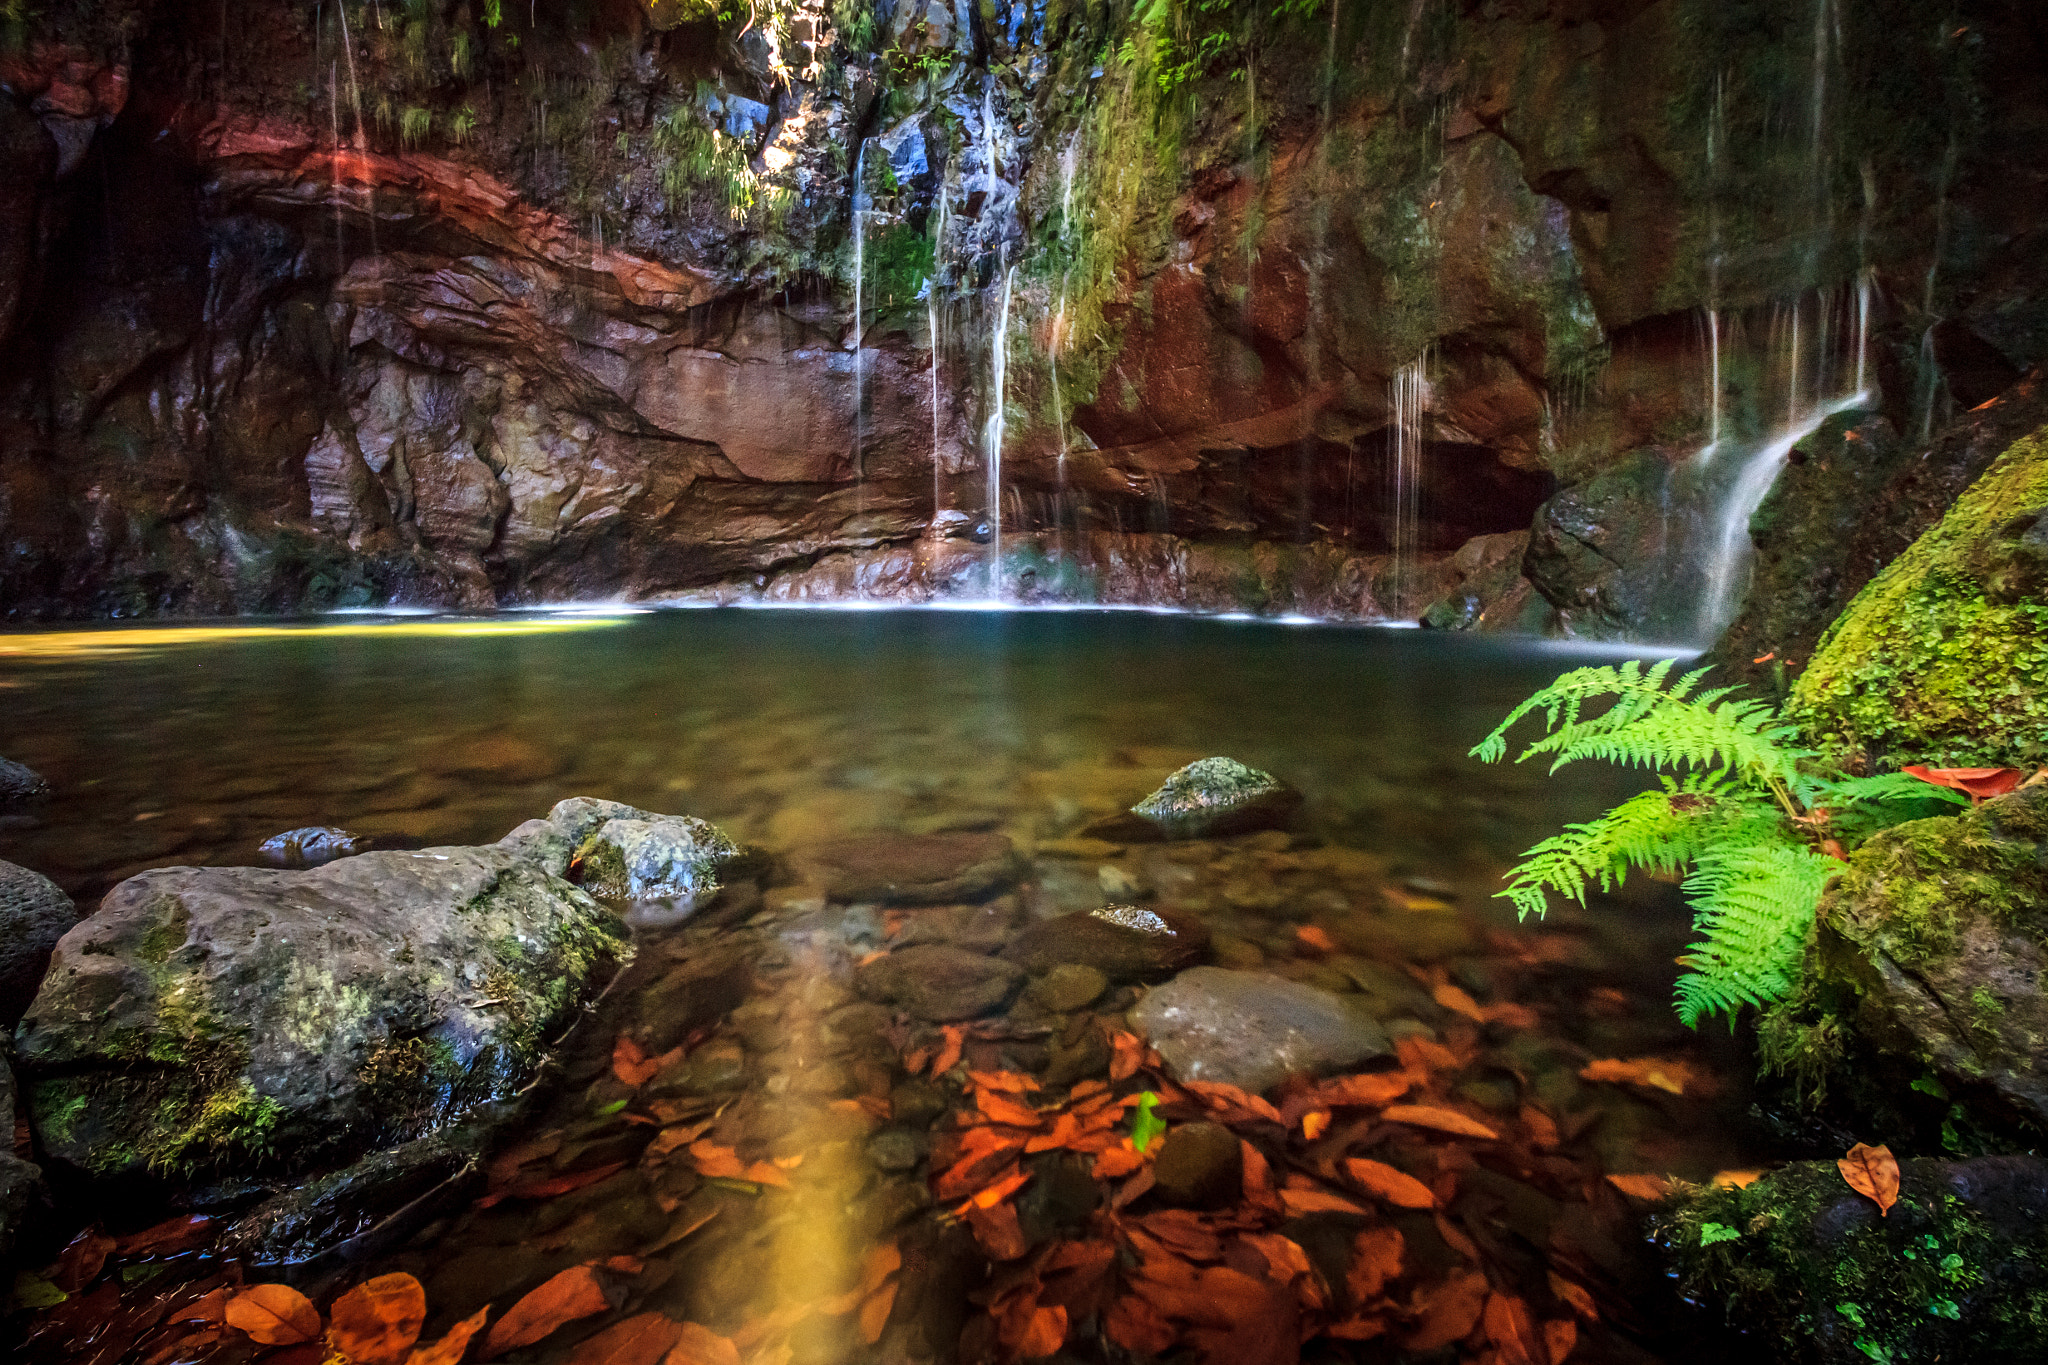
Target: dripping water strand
[{"x": 999, "y": 360}]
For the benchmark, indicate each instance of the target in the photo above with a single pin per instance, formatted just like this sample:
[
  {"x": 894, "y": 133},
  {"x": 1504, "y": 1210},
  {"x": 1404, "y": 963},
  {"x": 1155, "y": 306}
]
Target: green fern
[{"x": 1750, "y": 811}]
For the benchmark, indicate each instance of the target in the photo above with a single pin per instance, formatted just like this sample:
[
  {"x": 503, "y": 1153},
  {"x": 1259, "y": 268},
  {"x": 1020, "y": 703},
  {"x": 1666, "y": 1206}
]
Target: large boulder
[
  {"x": 1932, "y": 947},
  {"x": 1943, "y": 657},
  {"x": 625, "y": 853},
  {"x": 1212, "y": 797},
  {"x": 34, "y": 914},
  {"x": 1252, "y": 1030},
  {"x": 227, "y": 1017}
]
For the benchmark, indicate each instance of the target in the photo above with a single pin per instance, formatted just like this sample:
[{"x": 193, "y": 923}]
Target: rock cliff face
[{"x": 1317, "y": 312}]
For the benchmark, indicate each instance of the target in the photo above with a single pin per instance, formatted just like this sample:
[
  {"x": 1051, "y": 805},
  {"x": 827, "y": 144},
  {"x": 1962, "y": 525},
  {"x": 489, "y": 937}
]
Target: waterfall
[
  {"x": 860, "y": 158},
  {"x": 1407, "y": 398},
  {"x": 999, "y": 361},
  {"x": 938, "y": 492}
]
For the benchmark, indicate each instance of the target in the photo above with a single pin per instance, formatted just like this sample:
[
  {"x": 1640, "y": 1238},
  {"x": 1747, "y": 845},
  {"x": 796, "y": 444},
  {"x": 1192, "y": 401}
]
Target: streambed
[{"x": 774, "y": 1174}]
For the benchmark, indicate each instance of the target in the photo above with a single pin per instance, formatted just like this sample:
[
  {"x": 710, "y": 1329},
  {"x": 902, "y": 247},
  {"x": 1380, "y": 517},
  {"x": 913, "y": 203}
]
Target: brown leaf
[
  {"x": 1376, "y": 1255},
  {"x": 1066, "y": 1130},
  {"x": 167, "y": 1238},
  {"x": 715, "y": 1162},
  {"x": 1559, "y": 1338},
  {"x": 701, "y": 1346},
  {"x": 378, "y": 1321},
  {"x": 1458, "y": 1002},
  {"x": 631, "y": 1064},
  {"x": 450, "y": 1349},
  {"x": 274, "y": 1315},
  {"x": 1118, "y": 1162},
  {"x": 1455, "y": 1239},
  {"x": 1396, "y": 1187},
  {"x": 1298, "y": 1201},
  {"x": 82, "y": 1260},
  {"x": 548, "y": 1189},
  {"x": 1443, "y": 1120},
  {"x": 1874, "y": 1172},
  {"x": 1669, "y": 1076},
  {"x": 1258, "y": 1178},
  {"x": 995, "y": 1194},
  {"x": 997, "y": 1233},
  {"x": 1127, "y": 1054},
  {"x": 1363, "y": 1091},
  {"x": 1981, "y": 783},
  {"x": 1009, "y": 1082},
  {"x": 209, "y": 1308},
  {"x": 1448, "y": 1312},
  {"x": 874, "y": 1314},
  {"x": 1575, "y": 1296},
  {"x": 1315, "y": 940},
  {"x": 1218, "y": 1095},
  {"x": 1138, "y": 1327},
  {"x": 1001, "y": 1109},
  {"x": 1641, "y": 1186},
  {"x": 948, "y": 1055},
  {"x": 1540, "y": 1127},
  {"x": 1512, "y": 1329},
  {"x": 575, "y": 1293},
  {"x": 644, "y": 1339},
  {"x": 767, "y": 1173}
]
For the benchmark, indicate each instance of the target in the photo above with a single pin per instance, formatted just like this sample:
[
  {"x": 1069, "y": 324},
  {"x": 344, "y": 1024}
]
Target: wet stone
[
  {"x": 718, "y": 1065},
  {"x": 34, "y": 914},
  {"x": 312, "y": 845},
  {"x": 1252, "y": 1030},
  {"x": 940, "y": 984},
  {"x": 1217, "y": 796},
  {"x": 917, "y": 1102},
  {"x": 1200, "y": 1165},
  {"x": 977, "y": 928},
  {"x": 896, "y": 1149},
  {"x": 21, "y": 787},
  {"x": 910, "y": 869},
  {"x": 1086, "y": 1057},
  {"x": 1068, "y": 987},
  {"x": 1124, "y": 942}
]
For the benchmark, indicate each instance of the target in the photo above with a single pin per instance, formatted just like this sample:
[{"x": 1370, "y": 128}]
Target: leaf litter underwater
[{"x": 749, "y": 1159}]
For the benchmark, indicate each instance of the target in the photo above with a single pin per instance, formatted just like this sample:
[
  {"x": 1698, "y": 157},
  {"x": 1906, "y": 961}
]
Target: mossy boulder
[
  {"x": 240, "y": 1018},
  {"x": 1930, "y": 949},
  {"x": 1811, "y": 1273},
  {"x": 1943, "y": 657},
  {"x": 1213, "y": 797},
  {"x": 625, "y": 853}
]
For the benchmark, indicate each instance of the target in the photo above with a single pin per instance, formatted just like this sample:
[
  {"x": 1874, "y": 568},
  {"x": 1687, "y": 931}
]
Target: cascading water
[
  {"x": 860, "y": 213},
  {"x": 938, "y": 468},
  {"x": 1407, "y": 398},
  {"x": 999, "y": 363}
]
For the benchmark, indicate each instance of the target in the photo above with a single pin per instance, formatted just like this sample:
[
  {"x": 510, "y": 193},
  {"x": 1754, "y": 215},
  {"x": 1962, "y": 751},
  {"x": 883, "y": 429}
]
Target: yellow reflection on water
[{"x": 64, "y": 644}]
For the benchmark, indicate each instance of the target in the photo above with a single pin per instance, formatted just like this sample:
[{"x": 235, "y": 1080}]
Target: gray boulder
[
  {"x": 939, "y": 984},
  {"x": 1252, "y": 1030},
  {"x": 34, "y": 914},
  {"x": 1212, "y": 797},
  {"x": 221, "y": 1017},
  {"x": 20, "y": 787},
  {"x": 624, "y": 853}
]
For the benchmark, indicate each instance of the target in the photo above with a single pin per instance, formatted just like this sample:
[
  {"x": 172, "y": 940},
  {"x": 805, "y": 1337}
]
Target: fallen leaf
[
  {"x": 377, "y": 1322},
  {"x": 1873, "y": 1172},
  {"x": 1447, "y": 1313},
  {"x": 1540, "y": 1127},
  {"x": 998, "y": 1192},
  {"x": 1001, "y": 1109},
  {"x": 274, "y": 1315},
  {"x": 1575, "y": 1296},
  {"x": 1980, "y": 784},
  {"x": 1512, "y": 1329},
  {"x": 631, "y": 1064},
  {"x": 1130, "y": 1190},
  {"x": 1315, "y": 939},
  {"x": 82, "y": 1260},
  {"x": 1315, "y": 1123},
  {"x": 1363, "y": 1091},
  {"x": 1443, "y": 1120},
  {"x": 1117, "y": 1163},
  {"x": 1458, "y": 1002},
  {"x": 1515, "y": 1016},
  {"x": 548, "y": 1189},
  {"x": 1641, "y": 1186},
  {"x": 1455, "y": 1239},
  {"x": 700, "y": 1345},
  {"x": 643, "y": 1339},
  {"x": 1127, "y": 1054},
  {"x": 1008, "y": 1082},
  {"x": 874, "y": 1314},
  {"x": 1218, "y": 1095},
  {"x": 997, "y": 1233},
  {"x": 209, "y": 1308},
  {"x": 167, "y": 1238},
  {"x": 713, "y": 1161},
  {"x": 1258, "y": 1177},
  {"x": 450, "y": 1349},
  {"x": 1736, "y": 1180},
  {"x": 1065, "y": 1130},
  {"x": 1670, "y": 1077},
  {"x": 1138, "y": 1327},
  {"x": 1396, "y": 1187},
  {"x": 1376, "y": 1255},
  {"x": 948, "y": 1055},
  {"x": 575, "y": 1293},
  {"x": 1560, "y": 1336},
  {"x": 1301, "y": 1201}
]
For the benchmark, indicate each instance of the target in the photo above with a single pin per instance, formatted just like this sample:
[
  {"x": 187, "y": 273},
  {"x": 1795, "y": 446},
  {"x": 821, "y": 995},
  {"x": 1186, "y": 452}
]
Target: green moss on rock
[{"x": 1943, "y": 657}]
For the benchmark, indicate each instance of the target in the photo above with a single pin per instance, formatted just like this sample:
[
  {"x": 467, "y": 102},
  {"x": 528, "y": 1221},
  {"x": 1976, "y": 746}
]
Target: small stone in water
[
  {"x": 1214, "y": 796},
  {"x": 1068, "y": 987},
  {"x": 1200, "y": 1165},
  {"x": 312, "y": 845},
  {"x": 895, "y": 1149},
  {"x": 1252, "y": 1030}
]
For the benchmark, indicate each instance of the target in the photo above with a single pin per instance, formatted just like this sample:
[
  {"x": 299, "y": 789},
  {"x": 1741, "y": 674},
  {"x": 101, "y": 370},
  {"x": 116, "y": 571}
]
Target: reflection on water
[{"x": 766, "y": 1172}]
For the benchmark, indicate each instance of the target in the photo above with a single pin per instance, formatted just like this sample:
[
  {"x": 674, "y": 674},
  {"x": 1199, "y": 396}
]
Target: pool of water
[{"x": 192, "y": 746}]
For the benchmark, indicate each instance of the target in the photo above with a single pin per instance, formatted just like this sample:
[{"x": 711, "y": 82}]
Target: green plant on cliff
[{"x": 1756, "y": 817}]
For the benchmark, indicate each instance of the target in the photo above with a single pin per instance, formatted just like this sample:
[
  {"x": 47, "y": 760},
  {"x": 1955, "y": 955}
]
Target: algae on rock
[{"x": 1943, "y": 657}]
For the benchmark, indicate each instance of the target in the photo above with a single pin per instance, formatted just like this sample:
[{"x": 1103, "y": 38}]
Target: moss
[
  {"x": 1943, "y": 657},
  {"x": 1799, "y": 1261}
]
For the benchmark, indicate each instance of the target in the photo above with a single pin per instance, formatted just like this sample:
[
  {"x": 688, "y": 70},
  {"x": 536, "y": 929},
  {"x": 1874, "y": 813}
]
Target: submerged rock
[
  {"x": 312, "y": 845},
  {"x": 1252, "y": 1030},
  {"x": 1957, "y": 1270},
  {"x": 20, "y": 1181},
  {"x": 1124, "y": 942},
  {"x": 226, "y": 1017},
  {"x": 940, "y": 984},
  {"x": 1200, "y": 1166},
  {"x": 1068, "y": 987},
  {"x": 1212, "y": 797},
  {"x": 34, "y": 914},
  {"x": 625, "y": 853},
  {"x": 914, "y": 869},
  {"x": 20, "y": 787}
]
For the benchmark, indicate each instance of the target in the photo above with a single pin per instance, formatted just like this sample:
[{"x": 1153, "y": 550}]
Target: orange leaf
[
  {"x": 575, "y": 1293},
  {"x": 1301, "y": 1201},
  {"x": 1736, "y": 1180},
  {"x": 631, "y": 1064},
  {"x": 1315, "y": 1123},
  {"x": 1872, "y": 1171},
  {"x": 274, "y": 1315},
  {"x": 1007, "y": 1081},
  {"x": 1118, "y": 1162},
  {"x": 1375, "y": 1263},
  {"x": 767, "y": 1173},
  {"x": 1364, "y": 1091},
  {"x": 1448, "y": 1313},
  {"x": 1001, "y": 1190},
  {"x": 1671, "y": 1077},
  {"x": 1513, "y": 1015},
  {"x": 548, "y": 1189},
  {"x": 1559, "y": 1337},
  {"x": 1512, "y": 1329},
  {"x": 167, "y": 1238},
  {"x": 1218, "y": 1095},
  {"x": 1455, "y": 1239},
  {"x": 1127, "y": 1054},
  {"x": 1650, "y": 1187},
  {"x": 1138, "y": 1327},
  {"x": 1451, "y": 998},
  {"x": 714, "y": 1161},
  {"x": 1576, "y": 1296},
  {"x": 1045, "y": 1334},
  {"x": 1315, "y": 939},
  {"x": 1980, "y": 783},
  {"x": 1000, "y": 1109},
  {"x": 1065, "y": 1129},
  {"x": 450, "y": 1349},
  {"x": 1541, "y": 1128},
  {"x": 644, "y": 1339},
  {"x": 208, "y": 1308},
  {"x": 874, "y": 1314},
  {"x": 949, "y": 1051},
  {"x": 996, "y": 1230},
  {"x": 1396, "y": 1187},
  {"x": 702, "y": 1346},
  {"x": 1443, "y": 1120},
  {"x": 1258, "y": 1175},
  {"x": 378, "y": 1321}
]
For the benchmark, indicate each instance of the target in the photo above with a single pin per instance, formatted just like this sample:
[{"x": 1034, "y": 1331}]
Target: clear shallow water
[{"x": 793, "y": 727}]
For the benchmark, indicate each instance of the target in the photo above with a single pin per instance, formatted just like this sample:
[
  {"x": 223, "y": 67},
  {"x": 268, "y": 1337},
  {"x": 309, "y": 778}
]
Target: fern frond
[
  {"x": 1651, "y": 725},
  {"x": 1755, "y": 905}
]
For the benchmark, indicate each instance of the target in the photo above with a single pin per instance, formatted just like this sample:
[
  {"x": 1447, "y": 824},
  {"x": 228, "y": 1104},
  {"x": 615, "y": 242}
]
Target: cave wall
[{"x": 563, "y": 306}]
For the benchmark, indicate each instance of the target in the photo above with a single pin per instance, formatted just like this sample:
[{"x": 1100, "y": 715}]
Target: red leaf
[
  {"x": 1138, "y": 1327},
  {"x": 1872, "y": 1171},
  {"x": 1397, "y": 1188},
  {"x": 1001, "y": 1109},
  {"x": 1512, "y": 1329},
  {"x": 1127, "y": 1054},
  {"x": 631, "y": 1064},
  {"x": 450, "y": 1349},
  {"x": 575, "y": 1293},
  {"x": 1375, "y": 1263},
  {"x": 702, "y": 1346},
  {"x": 997, "y": 1233},
  {"x": 1448, "y": 1313},
  {"x": 377, "y": 1322},
  {"x": 1981, "y": 784},
  {"x": 1315, "y": 940},
  {"x": 1443, "y": 1120},
  {"x": 1559, "y": 1337},
  {"x": 1009, "y": 1082},
  {"x": 1118, "y": 1162},
  {"x": 643, "y": 1339},
  {"x": 167, "y": 1238},
  {"x": 274, "y": 1315}
]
